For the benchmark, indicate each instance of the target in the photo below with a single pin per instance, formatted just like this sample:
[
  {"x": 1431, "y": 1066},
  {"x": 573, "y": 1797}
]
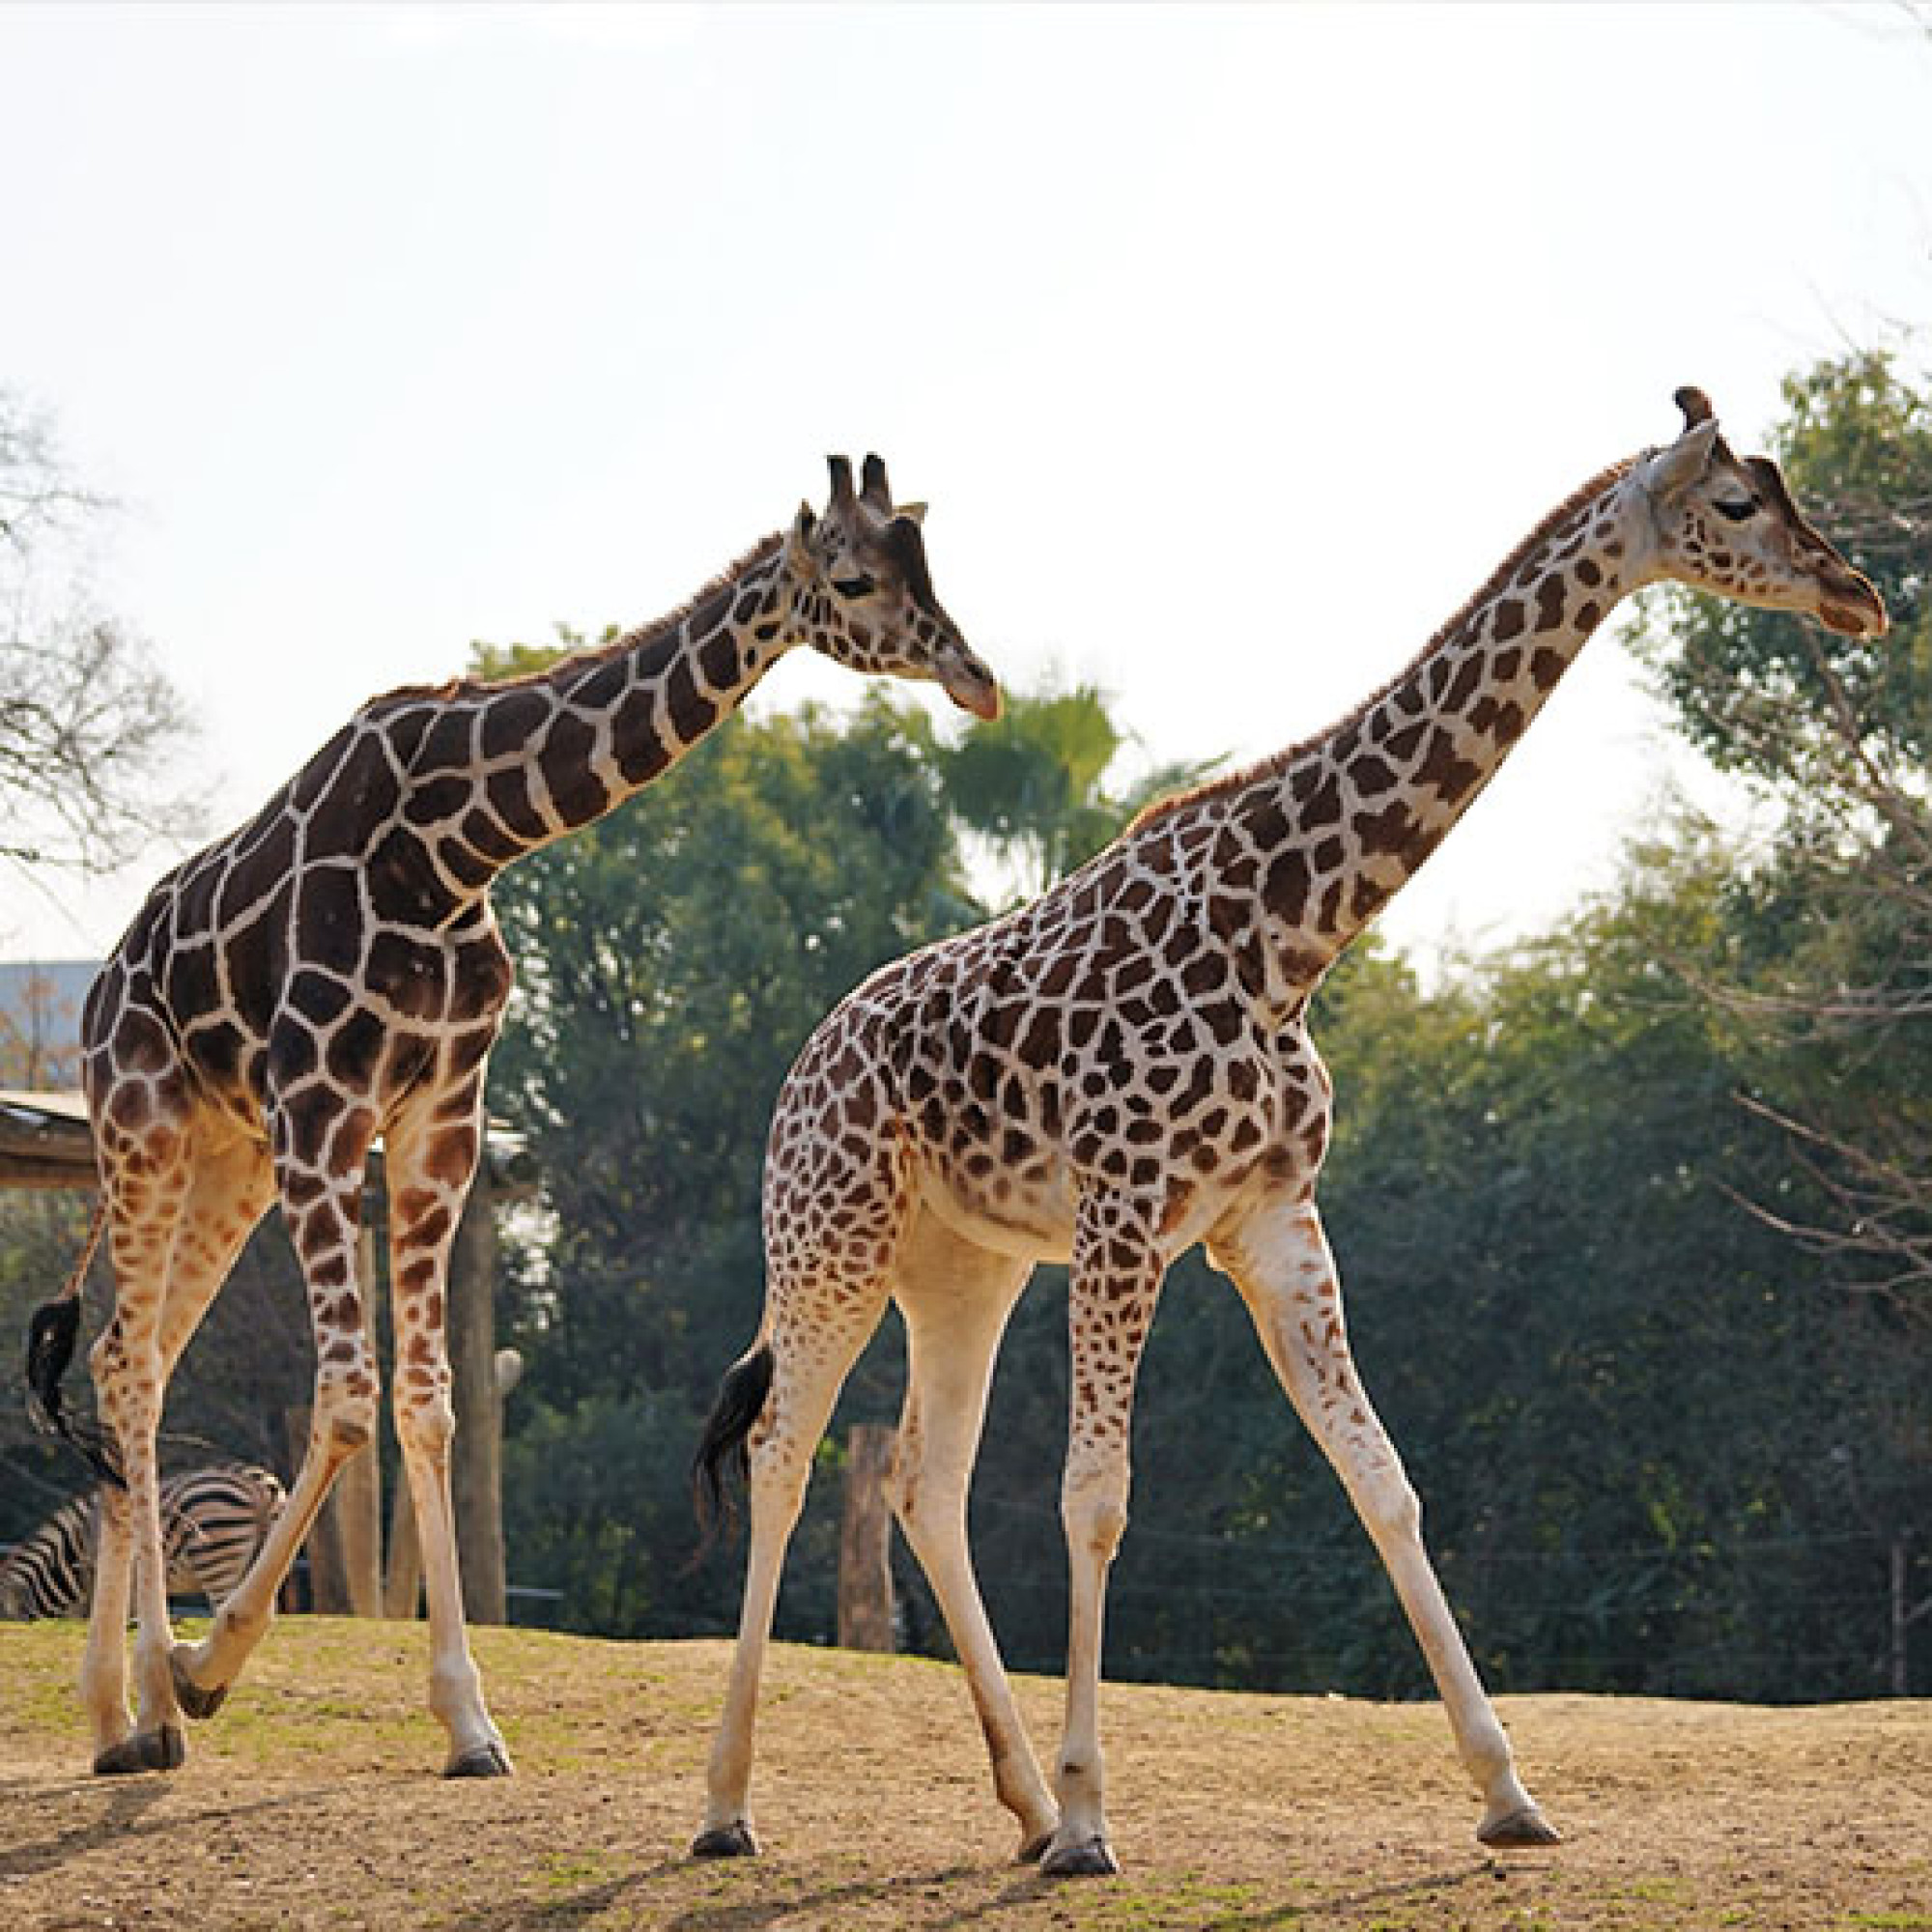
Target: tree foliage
[
  {"x": 671, "y": 961},
  {"x": 1039, "y": 783},
  {"x": 1834, "y": 977}
]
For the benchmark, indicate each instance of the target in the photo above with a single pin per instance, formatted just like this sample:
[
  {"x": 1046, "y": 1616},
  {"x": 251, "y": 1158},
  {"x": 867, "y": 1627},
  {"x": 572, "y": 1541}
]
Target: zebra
[{"x": 212, "y": 1522}]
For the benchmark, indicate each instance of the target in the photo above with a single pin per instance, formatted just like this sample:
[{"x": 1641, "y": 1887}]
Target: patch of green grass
[
  {"x": 1156, "y": 1905},
  {"x": 1886, "y": 1921},
  {"x": 1657, "y": 1892},
  {"x": 565, "y": 1871}
]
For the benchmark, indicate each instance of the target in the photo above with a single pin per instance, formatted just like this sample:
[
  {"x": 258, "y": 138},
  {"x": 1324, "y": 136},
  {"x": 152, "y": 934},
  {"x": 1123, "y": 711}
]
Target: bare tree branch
[
  {"x": 88, "y": 724},
  {"x": 1884, "y": 1209}
]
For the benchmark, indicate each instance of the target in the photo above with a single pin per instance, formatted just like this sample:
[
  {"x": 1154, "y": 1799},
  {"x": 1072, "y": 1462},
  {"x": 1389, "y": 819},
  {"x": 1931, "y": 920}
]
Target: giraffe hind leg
[
  {"x": 146, "y": 1202},
  {"x": 956, "y": 1298},
  {"x": 807, "y": 1375},
  {"x": 232, "y": 1189}
]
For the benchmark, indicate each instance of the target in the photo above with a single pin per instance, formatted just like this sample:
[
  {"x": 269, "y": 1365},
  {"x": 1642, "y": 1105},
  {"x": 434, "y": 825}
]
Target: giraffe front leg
[
  {"x": 1279, "y": 1260},
  {"x": 319, "y": 1155},
  {"x": 1117, "y": 1271},
  {"x": 433, "y": 1148},
  {"x": 425, "y": 1424},
  {"x": 342, "y": 1425}
]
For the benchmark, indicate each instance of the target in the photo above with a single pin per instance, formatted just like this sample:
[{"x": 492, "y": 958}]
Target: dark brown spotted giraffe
[
  {"x": 1121, "y": 1069},
  {"x": 332, "y": 972}
]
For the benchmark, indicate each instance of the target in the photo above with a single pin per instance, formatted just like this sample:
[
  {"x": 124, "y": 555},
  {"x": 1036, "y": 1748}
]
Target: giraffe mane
[
  {"x": 1275, "y": 763},
  {"x": 588, "y": 654}
]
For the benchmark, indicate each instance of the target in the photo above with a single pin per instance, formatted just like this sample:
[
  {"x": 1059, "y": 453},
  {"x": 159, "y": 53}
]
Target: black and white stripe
[{"x": 213, "y": 1523}]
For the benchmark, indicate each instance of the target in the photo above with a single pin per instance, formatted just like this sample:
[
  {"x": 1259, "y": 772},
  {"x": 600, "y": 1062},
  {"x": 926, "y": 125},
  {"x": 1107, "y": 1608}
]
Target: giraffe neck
[
  {"x": 1318, "y": 839},
  {"x": 507, "y": 768}
]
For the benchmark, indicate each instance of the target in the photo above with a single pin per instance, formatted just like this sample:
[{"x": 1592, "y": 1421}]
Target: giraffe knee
[
  {"x": 778, "y": 1478},
  {"x": 1093, "y": 1507},
  {"x": 925, "y": 1508},
  {"x": 425, "y": 1421},
  {"x": 1390, "y": 1507},
  {"x": 349, "y": 1434},
  {"x": 345, "y": 1417}
]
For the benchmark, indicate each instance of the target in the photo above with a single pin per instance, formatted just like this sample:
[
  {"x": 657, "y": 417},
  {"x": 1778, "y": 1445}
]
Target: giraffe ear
[
  {"x": 1695, "y": 405},
  {"x": 800, "y": 553},
  {"x": 1670, "y": 472},
  {"x": 912, "y": 513}
]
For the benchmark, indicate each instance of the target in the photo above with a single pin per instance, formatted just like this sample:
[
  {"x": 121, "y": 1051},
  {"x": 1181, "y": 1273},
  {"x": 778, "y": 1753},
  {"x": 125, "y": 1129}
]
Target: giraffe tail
[
  {"x": 722, "y": 1449},
  {"x": 52, "y": 1331}
]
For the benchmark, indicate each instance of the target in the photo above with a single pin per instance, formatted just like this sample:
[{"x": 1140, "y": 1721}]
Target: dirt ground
[{"x": 312, "y": 1799}]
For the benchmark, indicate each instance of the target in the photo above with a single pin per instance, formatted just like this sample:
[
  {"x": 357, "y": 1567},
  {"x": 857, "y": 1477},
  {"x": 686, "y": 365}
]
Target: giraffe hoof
[
  {"x": 725, "y": 1841},
  {"x": 1086, "y": 1858},
  {"x": 487, "y": 1760},
  {"x": 143, "y": 1750},
  {"x": 1518, "y": 1831},
  {"x": 188, "y": 1694}
]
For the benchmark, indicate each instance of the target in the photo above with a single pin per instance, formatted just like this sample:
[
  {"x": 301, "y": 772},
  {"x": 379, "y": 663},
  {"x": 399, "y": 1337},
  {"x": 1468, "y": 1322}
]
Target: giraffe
[
  {"x": 332, "y": 972},
  {"x": 1122, "y": 1069}
]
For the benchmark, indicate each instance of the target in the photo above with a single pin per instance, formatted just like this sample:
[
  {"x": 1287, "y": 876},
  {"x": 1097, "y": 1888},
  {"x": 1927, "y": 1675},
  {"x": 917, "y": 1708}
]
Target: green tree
[
  {"x": 1034, "y": 783},
  {"x": 1833, "y": 978},
  {"x": 671, "y": 960}
]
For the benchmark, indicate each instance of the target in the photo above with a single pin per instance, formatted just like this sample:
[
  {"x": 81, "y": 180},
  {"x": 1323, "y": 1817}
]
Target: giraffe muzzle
[
  {"x": 969, "y": 684},
  {"x": 1853, "y": 608}
]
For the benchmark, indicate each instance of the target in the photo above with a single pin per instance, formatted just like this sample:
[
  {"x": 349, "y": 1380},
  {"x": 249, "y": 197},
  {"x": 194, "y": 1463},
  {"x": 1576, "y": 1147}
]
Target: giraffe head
[
  {"x": 1727, "y": 523},
  {"x": 868, "y": 598}
]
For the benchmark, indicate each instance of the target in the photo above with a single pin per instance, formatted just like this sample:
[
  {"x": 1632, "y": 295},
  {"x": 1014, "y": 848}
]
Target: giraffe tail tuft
[
  {"x": 52, "y": 1330},
  {"x": 722, "y": 1449}
]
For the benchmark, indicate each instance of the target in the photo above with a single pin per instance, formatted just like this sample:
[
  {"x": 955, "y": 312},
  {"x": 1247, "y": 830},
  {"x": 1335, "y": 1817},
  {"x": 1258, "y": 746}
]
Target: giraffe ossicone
[
  {"x": 330, "y": 973},
  {"x": 1121, "y": 1069}
]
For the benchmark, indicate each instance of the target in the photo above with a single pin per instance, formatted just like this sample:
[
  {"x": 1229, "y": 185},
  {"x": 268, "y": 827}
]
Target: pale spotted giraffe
[
  {"x": 1121, "y": 1069},
  {"x": 332, "y": 972}
]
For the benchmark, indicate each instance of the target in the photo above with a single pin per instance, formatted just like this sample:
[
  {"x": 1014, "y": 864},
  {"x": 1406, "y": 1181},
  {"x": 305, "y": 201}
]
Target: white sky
[{"x": 1232, "y": 346}]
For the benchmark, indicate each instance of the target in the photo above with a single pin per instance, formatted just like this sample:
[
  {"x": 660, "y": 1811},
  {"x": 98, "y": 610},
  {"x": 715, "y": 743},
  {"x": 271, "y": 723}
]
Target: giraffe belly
[{"x": 1032, "y": 1224}]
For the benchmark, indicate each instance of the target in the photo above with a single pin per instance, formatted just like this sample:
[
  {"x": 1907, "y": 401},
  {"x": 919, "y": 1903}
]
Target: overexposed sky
[{"x": 1232, "y": 345}]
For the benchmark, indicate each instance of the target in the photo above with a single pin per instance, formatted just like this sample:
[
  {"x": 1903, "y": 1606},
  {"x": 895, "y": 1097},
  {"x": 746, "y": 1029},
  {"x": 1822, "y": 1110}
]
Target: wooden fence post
[
  {"x": 864, "y": 1542},
  {"x": 476, "y": 1455},
  {"x": 402, "y": 1582}
]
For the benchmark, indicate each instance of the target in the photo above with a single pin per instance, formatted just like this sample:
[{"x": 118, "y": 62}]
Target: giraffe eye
[
  {"x": 854, "y": 586},
  {"x": 1740, "y": 512}
]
